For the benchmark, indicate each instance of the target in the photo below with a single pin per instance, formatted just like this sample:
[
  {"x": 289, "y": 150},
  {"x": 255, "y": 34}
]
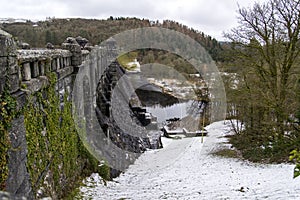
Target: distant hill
[{"x": 55, "y": 31}]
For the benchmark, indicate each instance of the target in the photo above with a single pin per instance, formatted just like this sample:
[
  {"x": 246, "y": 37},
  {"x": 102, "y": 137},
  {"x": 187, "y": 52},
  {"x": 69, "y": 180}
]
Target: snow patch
[{"x": 186, "y": 169}]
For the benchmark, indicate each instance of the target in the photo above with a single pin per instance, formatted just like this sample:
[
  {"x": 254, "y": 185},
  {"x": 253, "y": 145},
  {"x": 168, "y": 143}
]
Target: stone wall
[
  {"x": 23, "y": 72},
  {"x": 18, "y": 182}
]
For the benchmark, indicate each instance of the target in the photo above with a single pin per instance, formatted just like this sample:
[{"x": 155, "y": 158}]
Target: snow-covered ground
[{"x": 185, "y": 169}]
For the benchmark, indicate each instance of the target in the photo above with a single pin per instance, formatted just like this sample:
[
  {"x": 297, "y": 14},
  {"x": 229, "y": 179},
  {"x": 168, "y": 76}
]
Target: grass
[
  {"x": 227, "y": 153},
  {"x": 261, "y": 148},
  {"x": 127, "y": 58}
]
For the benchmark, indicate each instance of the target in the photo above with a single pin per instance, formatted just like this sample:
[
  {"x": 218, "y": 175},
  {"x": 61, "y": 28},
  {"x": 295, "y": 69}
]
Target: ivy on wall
[
  {"x": 8, "y": 112},
  {"x": 56, "y": 156}
]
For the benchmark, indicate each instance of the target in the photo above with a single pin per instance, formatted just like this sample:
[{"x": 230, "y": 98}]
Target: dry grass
[{"x": 227, "y": 153}]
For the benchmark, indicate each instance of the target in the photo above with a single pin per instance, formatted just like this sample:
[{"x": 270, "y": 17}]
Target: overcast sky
[{"x": 212, "y": 17}]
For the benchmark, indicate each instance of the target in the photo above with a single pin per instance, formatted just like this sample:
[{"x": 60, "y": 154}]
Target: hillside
[{"x": 38, "y": 34}]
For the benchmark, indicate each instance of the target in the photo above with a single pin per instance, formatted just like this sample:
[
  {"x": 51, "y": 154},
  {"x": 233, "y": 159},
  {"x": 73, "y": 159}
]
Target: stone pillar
[
  {"x": 111, "y": 46},
  {"x": 8, "y": 63},
  {"x": 72, "y": 45},
  {"x": 18, "y": 181}
]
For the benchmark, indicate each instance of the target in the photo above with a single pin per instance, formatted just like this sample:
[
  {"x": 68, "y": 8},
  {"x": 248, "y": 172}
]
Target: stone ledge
[
  {"x": 35, "y": 84},
  {"x": 62, "y": 73},
  {"x": 41, "y": 54}
]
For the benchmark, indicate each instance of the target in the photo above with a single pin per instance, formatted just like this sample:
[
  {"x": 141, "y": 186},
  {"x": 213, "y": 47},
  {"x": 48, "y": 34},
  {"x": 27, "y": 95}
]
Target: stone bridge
[{"x": 23, "y": 72}]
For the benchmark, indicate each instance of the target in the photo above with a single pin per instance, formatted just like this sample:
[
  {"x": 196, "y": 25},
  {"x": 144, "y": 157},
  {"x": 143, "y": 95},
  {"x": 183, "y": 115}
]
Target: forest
[{"x": 55, "y": 31}]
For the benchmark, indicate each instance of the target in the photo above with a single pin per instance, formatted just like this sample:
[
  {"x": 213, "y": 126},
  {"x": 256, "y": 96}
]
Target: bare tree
[{"x": 268, "y": 41}]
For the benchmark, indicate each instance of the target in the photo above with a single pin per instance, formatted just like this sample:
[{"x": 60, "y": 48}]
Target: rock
[
  {"x": 23, "y": 45},
  {"x": 88, "y": 47},
  {"x": 8, "y": 196},
  {"x": 81, "y": 41},
  {"x": 71, "y": 40},
  {"x": 49, "y": 46}
]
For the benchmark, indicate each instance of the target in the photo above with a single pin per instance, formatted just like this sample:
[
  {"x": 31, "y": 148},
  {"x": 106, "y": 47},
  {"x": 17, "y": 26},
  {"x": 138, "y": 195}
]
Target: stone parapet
[{"x": 23, "y": 72}]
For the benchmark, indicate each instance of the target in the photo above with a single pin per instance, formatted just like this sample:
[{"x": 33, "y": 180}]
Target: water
[
  {"x": 178, "y": 110},
  {"x": 162, "y": 105}
]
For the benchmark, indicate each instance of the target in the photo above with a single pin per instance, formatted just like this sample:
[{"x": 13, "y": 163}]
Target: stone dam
[{"x": 25, "y": 72}]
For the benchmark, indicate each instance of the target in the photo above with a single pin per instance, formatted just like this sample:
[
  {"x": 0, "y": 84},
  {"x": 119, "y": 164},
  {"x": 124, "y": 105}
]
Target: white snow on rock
[
  {"x": 136, "y": 65},
  {"x": 185, "y": 169}
]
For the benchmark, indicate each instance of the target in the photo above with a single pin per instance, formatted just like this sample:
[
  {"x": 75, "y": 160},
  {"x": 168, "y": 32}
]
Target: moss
[{"x": 127, "y": 58}]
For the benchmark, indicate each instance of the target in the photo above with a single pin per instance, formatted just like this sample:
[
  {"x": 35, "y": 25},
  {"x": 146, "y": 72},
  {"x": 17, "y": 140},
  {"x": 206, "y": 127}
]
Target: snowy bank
[{"x": 186, "y": 169}]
